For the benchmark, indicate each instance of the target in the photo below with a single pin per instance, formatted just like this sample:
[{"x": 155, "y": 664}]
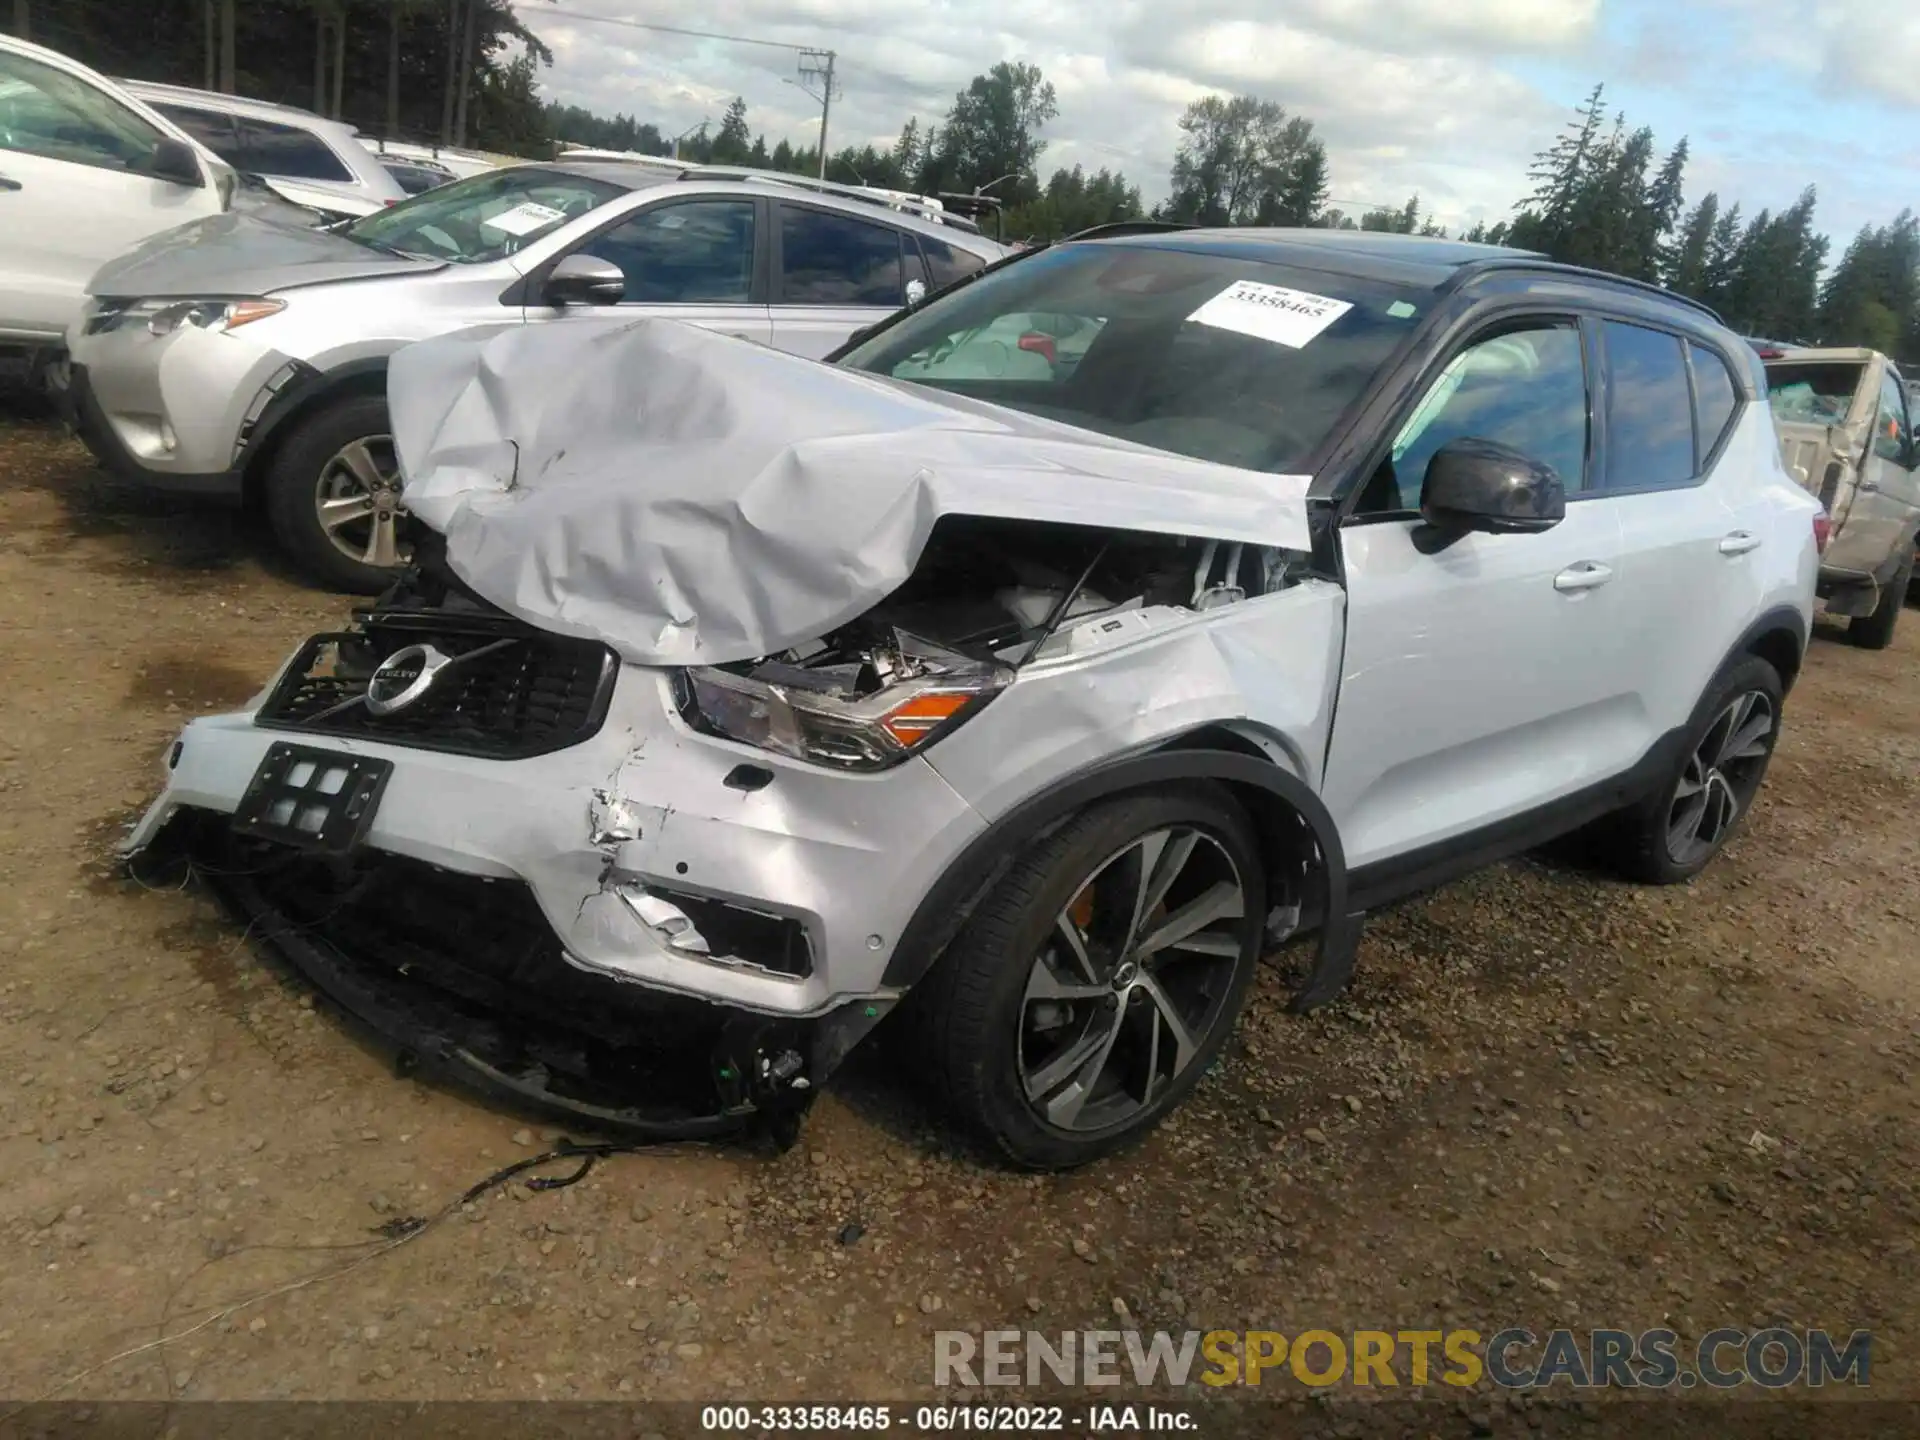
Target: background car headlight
[
  {"x": 167, "y": 317},
  {"x": 869, "y": 733}
]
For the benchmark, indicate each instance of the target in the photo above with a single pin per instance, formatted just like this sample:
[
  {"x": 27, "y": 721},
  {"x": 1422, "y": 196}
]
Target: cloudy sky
[{"x": 1444, "y": 97}]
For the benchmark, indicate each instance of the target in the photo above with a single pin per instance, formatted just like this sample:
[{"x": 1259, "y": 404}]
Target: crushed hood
[
  {"x": 688, "y": 498},
  {"x": 241, "y": 253}
]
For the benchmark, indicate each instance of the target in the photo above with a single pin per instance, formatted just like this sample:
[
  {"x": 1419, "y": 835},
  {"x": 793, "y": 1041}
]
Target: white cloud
[{"x": 1442, "y": 97}]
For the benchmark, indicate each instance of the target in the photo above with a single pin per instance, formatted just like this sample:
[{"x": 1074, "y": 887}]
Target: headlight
[
  {"x": 168, "y": 316},
  {"x": 869, "y": 733}
]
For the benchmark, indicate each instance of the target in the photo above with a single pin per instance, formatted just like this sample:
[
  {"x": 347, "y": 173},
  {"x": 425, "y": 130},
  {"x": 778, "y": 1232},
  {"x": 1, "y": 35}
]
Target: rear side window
[
  {"x": 837, "y": 260},
  {"x": 215, "y": 131},
  {"x": 945, "y": 264},
  {"x": 283, "y": 150},
  {"x": 1649, "y": 409},
  {"x": 1816, "y": 394},
  {"x": 1714, "y": 400}
]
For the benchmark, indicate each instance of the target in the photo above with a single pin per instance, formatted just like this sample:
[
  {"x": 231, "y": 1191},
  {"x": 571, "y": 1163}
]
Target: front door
[
  {"x": 1488, "y": 675},
  {"x": 73, "y": 192},
  {"x": 690, "y": 260}
]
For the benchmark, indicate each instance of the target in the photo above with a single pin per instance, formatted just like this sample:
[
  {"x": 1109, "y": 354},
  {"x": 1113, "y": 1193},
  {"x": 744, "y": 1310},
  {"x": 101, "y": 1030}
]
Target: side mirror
[
  {"x": 1474, "y": 484},
  {"x": 176, "y": 161},
  {"x": 585, "y": 280}
]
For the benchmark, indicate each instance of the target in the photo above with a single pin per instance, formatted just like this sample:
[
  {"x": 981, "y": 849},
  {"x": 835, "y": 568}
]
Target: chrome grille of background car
[{"x": 534, "y": 694}]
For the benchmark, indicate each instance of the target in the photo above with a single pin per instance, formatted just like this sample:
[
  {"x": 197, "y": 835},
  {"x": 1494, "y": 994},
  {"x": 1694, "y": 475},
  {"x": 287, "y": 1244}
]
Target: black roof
[
  {"x": 1426, "y": 260},
  {"x": 1421, "y": 261}
]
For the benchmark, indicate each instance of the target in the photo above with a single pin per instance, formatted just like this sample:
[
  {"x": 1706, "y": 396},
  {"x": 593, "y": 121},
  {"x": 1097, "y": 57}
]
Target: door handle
[
  {"x": 7, "y": 182},
  {"x": 1739, "y": 543},
  {"x": 1587, "y": 575}
]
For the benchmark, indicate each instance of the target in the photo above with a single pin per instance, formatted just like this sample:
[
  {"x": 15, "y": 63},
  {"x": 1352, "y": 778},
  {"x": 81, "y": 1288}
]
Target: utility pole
[{"x": 818, "y": 65}]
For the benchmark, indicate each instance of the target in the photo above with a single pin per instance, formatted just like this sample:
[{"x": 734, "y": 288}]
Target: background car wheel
[
  {"x": 1672, "y": 836},
  {"x": 1092, "y": 988},
  {"x": 1875, "y": 631},
  {"x": 333, "y": 497}
]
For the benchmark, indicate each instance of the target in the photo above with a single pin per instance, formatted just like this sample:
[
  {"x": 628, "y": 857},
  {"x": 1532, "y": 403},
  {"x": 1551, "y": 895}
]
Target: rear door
[
  {"x": 700, "y": 259},
  {"x": 74, "y": 192},
  {"x": 1693, "y": 522},
  {"x": 834, "y": 273}
]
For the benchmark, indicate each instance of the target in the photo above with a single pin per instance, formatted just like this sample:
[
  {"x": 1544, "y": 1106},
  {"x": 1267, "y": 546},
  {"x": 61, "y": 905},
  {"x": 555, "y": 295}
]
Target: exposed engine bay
[{"x": 988, "y": 597}]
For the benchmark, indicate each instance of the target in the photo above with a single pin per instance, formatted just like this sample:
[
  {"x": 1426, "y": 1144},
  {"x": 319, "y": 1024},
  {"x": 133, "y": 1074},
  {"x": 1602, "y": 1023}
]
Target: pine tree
[
  {"x": 1684, "y": 266},
  {"x": 1558, "y": 174},
  {"x": 1723, "y": 257},
  {"x": 1660, "y": 216}
]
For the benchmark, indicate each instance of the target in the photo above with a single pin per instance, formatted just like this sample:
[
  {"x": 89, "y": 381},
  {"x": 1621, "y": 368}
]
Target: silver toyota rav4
[
  {"x": 245, "y": 360},
  {"x": 1143, "y": 601}
]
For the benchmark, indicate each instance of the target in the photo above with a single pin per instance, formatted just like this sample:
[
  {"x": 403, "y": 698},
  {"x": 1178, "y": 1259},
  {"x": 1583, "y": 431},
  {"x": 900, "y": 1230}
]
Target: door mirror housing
[
  {"x": 585, "y": 280},
  {"x": 1474, "y": 484},
  {"x": 175, "y": 161}
]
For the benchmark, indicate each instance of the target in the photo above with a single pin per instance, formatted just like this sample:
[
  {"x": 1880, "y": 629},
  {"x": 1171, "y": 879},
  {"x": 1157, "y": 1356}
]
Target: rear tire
[
  {"x": 1674, "y": 834},
  {"x": 1875, "y": 631},
  {"x": 340, "y": 457},
  {"x": 1056, "y": 1026}
]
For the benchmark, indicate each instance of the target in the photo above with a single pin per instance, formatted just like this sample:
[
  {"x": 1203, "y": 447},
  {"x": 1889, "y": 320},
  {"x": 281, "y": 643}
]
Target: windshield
[
  {"x": 1220, "y": 357},
  {"x": 1819, "y": 394},
  {"x": 471, "y": 221}
]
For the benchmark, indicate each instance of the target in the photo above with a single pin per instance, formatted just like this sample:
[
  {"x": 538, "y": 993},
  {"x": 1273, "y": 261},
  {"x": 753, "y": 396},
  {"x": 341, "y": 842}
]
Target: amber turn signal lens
[{"x": 909, "y": 722}]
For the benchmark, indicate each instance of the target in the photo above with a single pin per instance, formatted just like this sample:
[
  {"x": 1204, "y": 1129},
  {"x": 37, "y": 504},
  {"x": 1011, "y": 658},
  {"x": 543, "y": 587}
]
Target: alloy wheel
[
  {"x": 1720, "y": 778},
  {"x": 357, "y": 500},
  {"x": 1132, "y": 981}
]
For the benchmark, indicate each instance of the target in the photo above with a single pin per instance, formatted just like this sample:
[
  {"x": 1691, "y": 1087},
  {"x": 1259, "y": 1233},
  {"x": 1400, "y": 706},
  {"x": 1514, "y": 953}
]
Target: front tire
[
  {"x": 1091, "y": 989},
  {"x": 333, "y": 497},
  {"x": 1875, "y": 631},
  {"x": 1675, "y": 833}
]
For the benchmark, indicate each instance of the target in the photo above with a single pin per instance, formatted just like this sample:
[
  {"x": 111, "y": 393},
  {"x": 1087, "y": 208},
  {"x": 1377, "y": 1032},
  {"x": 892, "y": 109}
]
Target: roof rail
[
  {"x": 924, "y": 206},
  {"x": 1524, "y": 261}
]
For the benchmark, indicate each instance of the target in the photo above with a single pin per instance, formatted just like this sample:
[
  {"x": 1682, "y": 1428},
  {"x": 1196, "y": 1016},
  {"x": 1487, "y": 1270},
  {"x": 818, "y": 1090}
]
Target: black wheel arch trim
[
  {"x": 1781, "y": 620},
  {"x": 945, "y": 908},
  {"x": 300, "y": 397}
]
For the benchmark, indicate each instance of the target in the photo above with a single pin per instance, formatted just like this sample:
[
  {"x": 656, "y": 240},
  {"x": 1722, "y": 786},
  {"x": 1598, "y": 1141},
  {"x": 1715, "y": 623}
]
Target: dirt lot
[{"x": 1550, "y": 1099}]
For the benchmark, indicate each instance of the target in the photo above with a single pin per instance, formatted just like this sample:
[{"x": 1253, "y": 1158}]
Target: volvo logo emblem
[{"x": 403, "y": 678}]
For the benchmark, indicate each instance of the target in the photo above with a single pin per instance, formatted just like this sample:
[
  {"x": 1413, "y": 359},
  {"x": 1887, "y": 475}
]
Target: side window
[
  {"x": 1525, "y": 387},
  {"x": 285, "y": 150},
  {"x": 1649, "y": 409},
  {"x": 830, "y": 259},
  {"x": 1890, "y": 425},
  {"x": 215, "y": 131},
  {"x": 692, "y": 252},
  {"x": 46, "y": 111},
  {"x": 945, "y": 264},
  {"x": 1714, "y": 400}
]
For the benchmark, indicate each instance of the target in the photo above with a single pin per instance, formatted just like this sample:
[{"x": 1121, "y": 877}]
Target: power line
[{"x": 668, "y": 29}]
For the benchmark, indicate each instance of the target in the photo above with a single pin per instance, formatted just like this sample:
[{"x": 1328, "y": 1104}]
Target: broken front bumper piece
[{"x": 464, "y": 978}]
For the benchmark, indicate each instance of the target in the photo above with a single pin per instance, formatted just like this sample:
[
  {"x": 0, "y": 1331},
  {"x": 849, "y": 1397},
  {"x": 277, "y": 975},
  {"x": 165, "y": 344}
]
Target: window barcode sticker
[{"x": 1270, "y": 312}]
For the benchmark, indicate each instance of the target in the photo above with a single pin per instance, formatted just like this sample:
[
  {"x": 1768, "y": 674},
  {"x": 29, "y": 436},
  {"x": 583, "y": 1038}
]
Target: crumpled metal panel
[{"x": 688, "y": 498}]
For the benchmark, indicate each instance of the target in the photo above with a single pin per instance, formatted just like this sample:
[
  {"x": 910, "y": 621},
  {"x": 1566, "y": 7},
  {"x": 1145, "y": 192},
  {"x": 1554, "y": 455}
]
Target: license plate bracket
[{"x": 318, "y": 800}]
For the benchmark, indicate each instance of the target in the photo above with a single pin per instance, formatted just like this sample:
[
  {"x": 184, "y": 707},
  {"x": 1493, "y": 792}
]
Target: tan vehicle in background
[{"x": 1846, "y": 434}]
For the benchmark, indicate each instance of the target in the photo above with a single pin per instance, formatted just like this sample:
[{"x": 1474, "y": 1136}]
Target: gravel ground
[{"x": 1550, "y": 1099}]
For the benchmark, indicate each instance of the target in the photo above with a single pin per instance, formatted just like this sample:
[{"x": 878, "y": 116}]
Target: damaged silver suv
[{"x": 1035, "y": 666}]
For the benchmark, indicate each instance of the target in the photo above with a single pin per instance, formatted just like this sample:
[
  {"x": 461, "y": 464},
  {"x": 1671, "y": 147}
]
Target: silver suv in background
[
  {"x": 1846, "y": 434},
  {"x": 242, "y": 358},
  {"x": 306, "y": 158}
]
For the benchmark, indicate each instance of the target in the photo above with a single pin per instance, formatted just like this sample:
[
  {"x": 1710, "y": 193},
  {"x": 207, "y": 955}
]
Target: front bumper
[
  {"x": 82, "y": 411},
  {"x": 169, "y": 411},
  {"x": 645, "y": 806}
]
